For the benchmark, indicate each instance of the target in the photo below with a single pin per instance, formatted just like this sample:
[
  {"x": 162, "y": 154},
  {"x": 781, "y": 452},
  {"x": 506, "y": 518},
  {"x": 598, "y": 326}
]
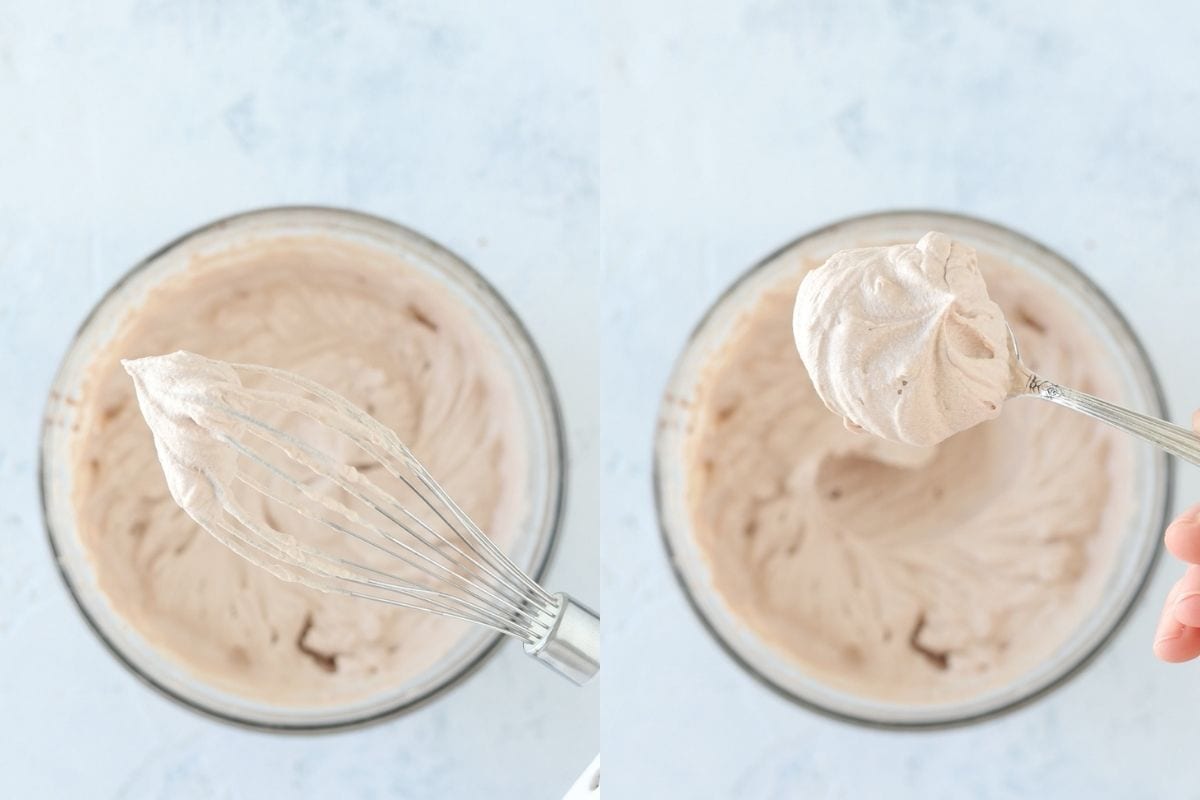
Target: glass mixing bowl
[
  {"x": 535, "y": 395},
  {"x": 1150, "y": 485}
]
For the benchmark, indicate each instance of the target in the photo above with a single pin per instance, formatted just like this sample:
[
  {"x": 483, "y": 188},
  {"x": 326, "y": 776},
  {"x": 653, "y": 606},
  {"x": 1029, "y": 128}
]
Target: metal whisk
[{"x": 297, "y": 479}]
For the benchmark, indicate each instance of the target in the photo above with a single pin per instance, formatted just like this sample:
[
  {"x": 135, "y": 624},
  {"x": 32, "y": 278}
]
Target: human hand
[{"x": 1178, "y": 635}]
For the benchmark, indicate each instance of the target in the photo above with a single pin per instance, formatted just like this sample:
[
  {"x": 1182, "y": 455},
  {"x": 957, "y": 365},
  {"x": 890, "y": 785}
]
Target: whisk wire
[
  {"x": 531, "y": 624},
  {"x": 484, "y": 585},
  {"x": 314, "y": 460},
  {"x": 430, "y": 599},
  {"x": 441, "y": 601},
  {"x": 423, "y": 559},
  {"x": 367, "y": 435},
  {"x": 478, "y": 535},
  {"x": 504, "y": 628}
]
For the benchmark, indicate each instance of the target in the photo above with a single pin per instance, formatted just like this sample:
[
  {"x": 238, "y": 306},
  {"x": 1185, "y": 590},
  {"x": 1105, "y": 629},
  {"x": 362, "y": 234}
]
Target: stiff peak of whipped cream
[
  {"x": 178, "y": 395},
  {"x": 903, "y": 341}
]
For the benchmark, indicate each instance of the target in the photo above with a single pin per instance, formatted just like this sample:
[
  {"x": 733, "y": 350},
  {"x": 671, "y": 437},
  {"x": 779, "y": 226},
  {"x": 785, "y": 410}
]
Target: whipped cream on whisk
[
  {"x": 194, "y": 407},
  {"x": 903, "y": 341},
  {"x": 177, "y": 394},
  {"x": 298, "y": 480},
  {"x": 248, "y": 461}
]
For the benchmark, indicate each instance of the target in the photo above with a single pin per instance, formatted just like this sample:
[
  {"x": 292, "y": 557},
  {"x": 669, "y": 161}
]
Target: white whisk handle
[{"x": 572, "y": 646}]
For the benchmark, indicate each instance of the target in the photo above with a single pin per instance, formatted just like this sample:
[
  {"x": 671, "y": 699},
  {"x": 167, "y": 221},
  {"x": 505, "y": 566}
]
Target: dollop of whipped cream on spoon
[{"x": 903, "y": 341}]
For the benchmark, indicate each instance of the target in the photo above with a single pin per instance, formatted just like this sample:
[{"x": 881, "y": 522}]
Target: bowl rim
[
  {"x": 542, "y": 378},
  {"x": 1084, "y": 660}
]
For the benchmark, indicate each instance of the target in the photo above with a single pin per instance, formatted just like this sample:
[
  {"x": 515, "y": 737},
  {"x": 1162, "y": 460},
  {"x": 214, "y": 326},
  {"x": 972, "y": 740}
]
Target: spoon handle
[{"x": 1176, "y": 440}]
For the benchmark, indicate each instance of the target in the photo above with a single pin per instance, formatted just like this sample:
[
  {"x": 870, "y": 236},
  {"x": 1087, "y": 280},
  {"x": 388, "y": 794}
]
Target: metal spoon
[{"x": 1176, "y": 440}]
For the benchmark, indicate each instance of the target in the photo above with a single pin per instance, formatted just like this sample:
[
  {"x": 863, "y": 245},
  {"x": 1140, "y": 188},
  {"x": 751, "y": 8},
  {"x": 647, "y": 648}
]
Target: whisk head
[{"x": 297, "y": 479}]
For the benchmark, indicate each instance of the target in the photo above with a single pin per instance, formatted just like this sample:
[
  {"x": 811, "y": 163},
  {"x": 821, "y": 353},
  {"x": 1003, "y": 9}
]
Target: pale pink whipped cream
[
  {"x": 374, "y": 329},
  {"x": 903, "y": 341},
  {"x": 908, "y": 574}
]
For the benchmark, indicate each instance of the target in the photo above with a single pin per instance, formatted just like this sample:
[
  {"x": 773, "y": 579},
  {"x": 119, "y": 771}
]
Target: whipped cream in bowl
[
  {"x": 915, "y": 557},
  {"x": 381, "y": 315}
]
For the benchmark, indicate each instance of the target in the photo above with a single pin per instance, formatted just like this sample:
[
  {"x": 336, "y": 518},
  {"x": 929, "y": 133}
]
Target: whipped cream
[
  {"x": 369, "y": 326},
  {"x": 907, "y": 574},
  {"x": 903, "y": 341},
  {"x": 177, "y": 394}
]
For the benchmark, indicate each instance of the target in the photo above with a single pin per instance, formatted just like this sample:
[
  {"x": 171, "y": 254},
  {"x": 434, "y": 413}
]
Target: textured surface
[
  {"x": 729, "y": 131},
  {"x": 722, "y": 130},
  {"x": 127, "y": 123}
]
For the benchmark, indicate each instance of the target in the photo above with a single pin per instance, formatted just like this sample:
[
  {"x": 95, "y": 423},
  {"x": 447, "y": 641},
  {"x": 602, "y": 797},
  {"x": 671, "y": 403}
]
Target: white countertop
[{"x": 611, "y": 170}]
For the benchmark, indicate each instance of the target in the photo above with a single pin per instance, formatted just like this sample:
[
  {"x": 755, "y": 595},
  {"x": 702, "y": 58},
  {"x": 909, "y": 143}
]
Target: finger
[
  {"x": 1168, "y": 627},
  {"x": 1182, "y": 536},
  {"x": 1196, "y": 420},
  {"x": 1174, "y": 641},
  {"x": 1184, "y": 647},
  {"x": 1186, "y": 608}
]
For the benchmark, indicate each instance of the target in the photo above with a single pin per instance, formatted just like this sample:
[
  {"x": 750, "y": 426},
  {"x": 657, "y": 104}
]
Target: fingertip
[
  {"x": 1163, "y": 652},
  {"x": 1196, "y": 420},
  {"x": 1182, "y": 536},
  {"x": 1180, "y": 647}
]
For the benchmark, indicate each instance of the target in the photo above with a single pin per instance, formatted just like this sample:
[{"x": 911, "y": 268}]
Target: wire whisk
[{"x": 298, "y": 480}]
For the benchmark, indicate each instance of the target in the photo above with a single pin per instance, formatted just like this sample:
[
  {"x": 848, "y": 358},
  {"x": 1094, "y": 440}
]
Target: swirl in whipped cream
[
  {"x": 903, "y": 341},
  {"x": 354, "y": 318},
  {"x": 907, "y": 574}
]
